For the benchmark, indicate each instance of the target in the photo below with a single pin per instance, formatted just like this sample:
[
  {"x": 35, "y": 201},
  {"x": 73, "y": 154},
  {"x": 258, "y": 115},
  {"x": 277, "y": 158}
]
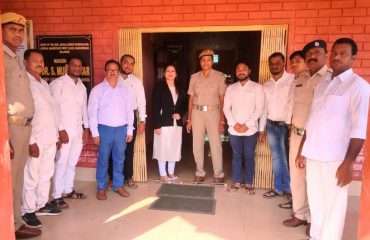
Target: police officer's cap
[
  {"x": 316, "y": 43},
  {"x": 11, "y": 17},
  {"x": 206, "y": 52}
]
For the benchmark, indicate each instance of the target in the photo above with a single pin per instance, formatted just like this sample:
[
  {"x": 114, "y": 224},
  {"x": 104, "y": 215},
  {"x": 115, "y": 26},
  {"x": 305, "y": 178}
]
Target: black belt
[{"x": 276, "y": 123}]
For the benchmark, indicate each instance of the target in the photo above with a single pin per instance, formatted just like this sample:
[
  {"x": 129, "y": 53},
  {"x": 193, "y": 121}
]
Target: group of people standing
[
  {"x": 41, "y": 118},
  {"x": 49, "y": 124},
  {"x": 324, "y": 110}
]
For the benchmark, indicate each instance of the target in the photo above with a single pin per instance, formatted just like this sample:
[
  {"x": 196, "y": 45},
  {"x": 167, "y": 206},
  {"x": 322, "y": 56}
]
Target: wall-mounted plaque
[{"x": 56, "y": 50}]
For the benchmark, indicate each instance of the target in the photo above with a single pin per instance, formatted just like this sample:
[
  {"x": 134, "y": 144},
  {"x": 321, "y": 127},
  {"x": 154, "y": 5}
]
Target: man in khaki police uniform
[
  {"x": 206, "y": 97},
  {"x": 300, "y": 105},
  {"x": 20, "y": 109}
]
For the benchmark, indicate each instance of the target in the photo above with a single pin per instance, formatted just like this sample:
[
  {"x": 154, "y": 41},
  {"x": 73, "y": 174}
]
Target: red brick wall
[{"x": 307, "y": 20}]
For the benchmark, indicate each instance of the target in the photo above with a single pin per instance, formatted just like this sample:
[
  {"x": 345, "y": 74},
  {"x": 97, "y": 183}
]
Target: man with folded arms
[
  {"x": 244, "y": 103},
  {"x": 43, "y": 145},
  {"x": 20, "y": 109},
  {"x": 111, "y": 120}
]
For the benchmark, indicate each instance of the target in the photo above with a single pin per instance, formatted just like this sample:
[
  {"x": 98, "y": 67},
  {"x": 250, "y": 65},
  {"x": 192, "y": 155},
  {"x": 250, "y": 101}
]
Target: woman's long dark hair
[{"x": 178, "y": 85}]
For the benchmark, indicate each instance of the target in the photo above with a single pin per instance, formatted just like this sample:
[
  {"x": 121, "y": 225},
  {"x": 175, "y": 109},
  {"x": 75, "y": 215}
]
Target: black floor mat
[
  {"x": 186, "y": 191},
  {"x": 181, "y": 204}
]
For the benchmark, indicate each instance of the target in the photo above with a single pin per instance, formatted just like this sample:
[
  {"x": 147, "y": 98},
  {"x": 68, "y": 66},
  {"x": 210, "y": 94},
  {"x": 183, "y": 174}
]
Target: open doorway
[
  {"x": 182, "y": 49},
  {"x": 272, "y": 38}
]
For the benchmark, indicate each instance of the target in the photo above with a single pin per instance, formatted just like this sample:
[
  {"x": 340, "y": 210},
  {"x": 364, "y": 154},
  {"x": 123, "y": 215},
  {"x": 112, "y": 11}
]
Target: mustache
[
  {"x": 312, "y": 60},
  {"x": 242, "y": 77},
  {"x": 125, "y": 72}
]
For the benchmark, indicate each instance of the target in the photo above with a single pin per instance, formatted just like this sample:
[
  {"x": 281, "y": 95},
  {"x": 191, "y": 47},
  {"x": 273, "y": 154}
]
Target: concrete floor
[{"x": 238, "y": 215}]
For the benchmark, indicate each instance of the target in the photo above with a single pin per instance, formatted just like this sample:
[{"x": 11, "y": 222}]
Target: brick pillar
[{"x": 6, "y": 198}]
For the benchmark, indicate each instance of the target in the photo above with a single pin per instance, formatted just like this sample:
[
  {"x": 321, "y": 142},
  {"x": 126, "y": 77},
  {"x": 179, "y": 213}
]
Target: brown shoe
[
  {"x": 218, "y": 180},
  {"x": 26, "y": 232},
  {"x": 294, "y": 222},
  {"x": 122, "y": 192},
  {"x": 308, "y": 228},
  {"x": 199, "y": 179},
  {"x": 100, "y": 195}
]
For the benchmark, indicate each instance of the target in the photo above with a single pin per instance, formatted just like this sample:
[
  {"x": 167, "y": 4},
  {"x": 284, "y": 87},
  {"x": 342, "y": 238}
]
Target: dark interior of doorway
[{"x": 182, "y": 49}]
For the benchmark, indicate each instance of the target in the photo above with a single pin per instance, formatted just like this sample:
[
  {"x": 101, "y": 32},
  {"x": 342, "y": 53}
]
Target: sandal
[
  {"x": 286, "y": 205},
  {"x": 272, "y": 194},
  {"x": 131, "y": 184},
  {"x": 74, "y": 195},
  {"x": 165, "y": 179},
  {"x": 233, "y": 188},
  {"x": 250, "y": 190},
  {"x": 174, "y": 178},
  {"x": 289, "y": 195}
]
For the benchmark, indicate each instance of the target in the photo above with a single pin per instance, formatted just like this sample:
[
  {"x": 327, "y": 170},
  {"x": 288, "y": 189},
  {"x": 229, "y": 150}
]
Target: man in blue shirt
[{"x": 111, "y": 123}]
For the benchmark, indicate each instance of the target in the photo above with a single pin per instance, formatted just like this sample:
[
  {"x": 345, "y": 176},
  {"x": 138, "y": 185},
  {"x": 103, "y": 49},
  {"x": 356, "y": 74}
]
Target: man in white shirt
[
  {"x": 243, "y": 106},
  {"x": 136, "y": 88},
  {"x": 71, "y": 100},
  {"x": 335, "y": 134},
  {"x": 273, "y": 118},
  {"x": 43, "y": 145}
]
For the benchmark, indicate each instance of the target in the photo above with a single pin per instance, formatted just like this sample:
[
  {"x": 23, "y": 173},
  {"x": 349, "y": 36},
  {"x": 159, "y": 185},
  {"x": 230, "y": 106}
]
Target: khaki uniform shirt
[
  {"x": 302, "y": 92},
  {"x": 207, "y": 91},
  {"x": 17, "y": 86}
]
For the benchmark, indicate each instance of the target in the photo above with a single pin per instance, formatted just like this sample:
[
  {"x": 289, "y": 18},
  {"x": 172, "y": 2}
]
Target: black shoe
[
  {"x": 59, "y": 203},
  {"x": 48, "y": 210},
  {"x": 30, "y": 220}
]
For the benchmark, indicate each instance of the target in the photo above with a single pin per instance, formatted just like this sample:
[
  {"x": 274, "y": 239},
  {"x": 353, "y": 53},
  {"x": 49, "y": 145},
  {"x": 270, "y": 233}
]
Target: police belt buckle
[{"x": 205, "y": 108}]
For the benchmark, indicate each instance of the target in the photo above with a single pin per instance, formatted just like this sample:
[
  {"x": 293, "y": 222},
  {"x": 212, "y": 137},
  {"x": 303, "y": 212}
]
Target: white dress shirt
[
  {"x": 136, "y": 88},
  {"x": 338, "y": 113},
  {"x": 71, "y": 101},
  {"x": 244, "y": 105},
  {"x": 276, "y": 99},
  {"x": 44, "y": 122},
  {"x": 111, "y": 107}
]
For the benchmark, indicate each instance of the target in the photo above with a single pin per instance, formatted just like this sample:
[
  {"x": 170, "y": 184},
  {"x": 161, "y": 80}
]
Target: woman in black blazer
[{"x": 169, "y": 106}]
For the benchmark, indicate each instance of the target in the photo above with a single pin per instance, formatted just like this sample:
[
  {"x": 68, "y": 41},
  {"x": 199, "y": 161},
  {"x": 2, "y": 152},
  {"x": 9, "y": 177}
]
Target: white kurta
[{"x": 167, "y": 145}]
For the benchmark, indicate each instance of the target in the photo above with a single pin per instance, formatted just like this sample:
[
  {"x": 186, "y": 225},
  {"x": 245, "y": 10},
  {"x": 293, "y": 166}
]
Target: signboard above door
[{"x": 56, "y": 50}]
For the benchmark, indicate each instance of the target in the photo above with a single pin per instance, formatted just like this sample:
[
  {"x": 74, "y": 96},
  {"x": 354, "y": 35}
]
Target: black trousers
[{"x": 129, "y": 157}]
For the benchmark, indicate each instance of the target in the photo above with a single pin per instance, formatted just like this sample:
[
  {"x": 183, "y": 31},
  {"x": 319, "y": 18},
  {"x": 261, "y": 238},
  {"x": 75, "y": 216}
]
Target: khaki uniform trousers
[
  {"x": 203, "y": 122},
  {"x": 20, "y": 139},
  {"x": 298, "y": 181}
]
